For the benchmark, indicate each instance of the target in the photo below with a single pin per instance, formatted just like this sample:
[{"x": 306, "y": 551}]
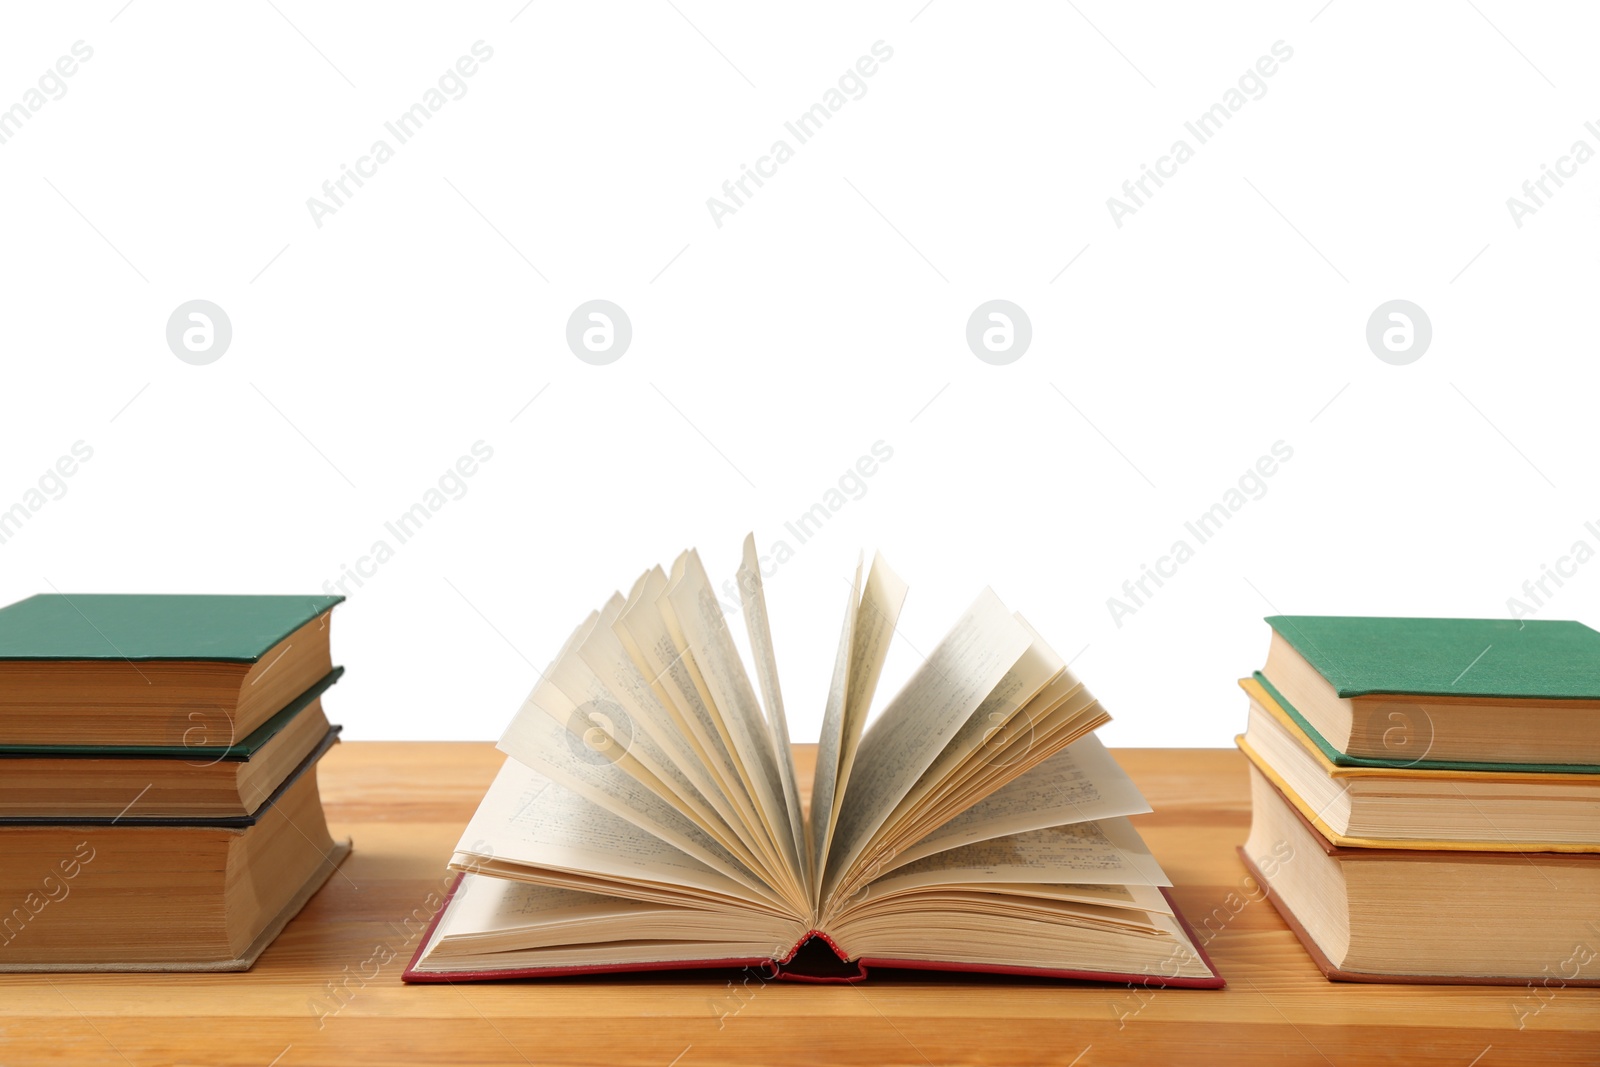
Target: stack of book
[
  {"x": 1426, "y": 796},
  {"x": 158, "y": 789}
]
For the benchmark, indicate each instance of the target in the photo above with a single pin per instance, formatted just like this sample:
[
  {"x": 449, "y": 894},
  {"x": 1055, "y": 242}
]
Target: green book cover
[
  {"x": 1528, "y": 659},
  {"x": 1344, "y": 759},
  {"x": 238, "y": 752},
  {"x": 225, "y": 629}
]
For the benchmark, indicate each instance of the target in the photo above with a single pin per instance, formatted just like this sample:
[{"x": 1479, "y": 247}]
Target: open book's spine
[{"x": 841, "y": 969}]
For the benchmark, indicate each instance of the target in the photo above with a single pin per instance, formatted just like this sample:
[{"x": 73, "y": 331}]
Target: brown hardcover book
[
  {"x": 50, "y": 783},
  {"x": 142, "y": 894},
  {"x": 1413, "y": 915}
]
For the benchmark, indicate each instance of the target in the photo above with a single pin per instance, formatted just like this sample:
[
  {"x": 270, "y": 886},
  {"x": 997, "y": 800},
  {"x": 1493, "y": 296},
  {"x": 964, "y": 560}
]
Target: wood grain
[{"x": 329, "y": 990}]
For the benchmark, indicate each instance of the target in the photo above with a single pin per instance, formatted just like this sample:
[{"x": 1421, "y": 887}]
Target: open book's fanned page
[
  {"x": 915, "y": 726},
  {"x": 653, "y": 814},
  {"x": 753, "y": 600},
  {"x": 869, "y": 624},
  {"x": 713, "y": 662},
  {"x": 1081, "y": 783},
  {"x": 830, "y": 743}
]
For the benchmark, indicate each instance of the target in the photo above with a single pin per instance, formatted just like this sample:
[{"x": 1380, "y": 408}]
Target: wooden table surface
[{"x": 329, "y": 990}]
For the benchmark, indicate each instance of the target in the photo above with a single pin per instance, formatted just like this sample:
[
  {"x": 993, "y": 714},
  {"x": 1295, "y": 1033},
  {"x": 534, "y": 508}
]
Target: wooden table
[{"x": 329, "y": 991}]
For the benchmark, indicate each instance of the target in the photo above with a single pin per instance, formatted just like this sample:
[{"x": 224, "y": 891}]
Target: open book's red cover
[{"x": 792, "y": 968}]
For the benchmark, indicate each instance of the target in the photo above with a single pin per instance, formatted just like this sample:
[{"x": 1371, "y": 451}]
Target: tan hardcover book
[
  {"x": 1412, "y": 915},
  {"x": 140, "y": 894}
]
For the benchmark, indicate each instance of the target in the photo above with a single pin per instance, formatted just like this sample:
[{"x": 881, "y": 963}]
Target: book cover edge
[
  {"x": 334, "y": 601},
  {"x": 1349, "y": 691}
]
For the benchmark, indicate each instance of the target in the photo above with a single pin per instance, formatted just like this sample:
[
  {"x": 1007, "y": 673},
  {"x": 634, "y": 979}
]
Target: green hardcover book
[
  {"x": 1403, "y": 691},
  {"x": 156, "y": 670}
]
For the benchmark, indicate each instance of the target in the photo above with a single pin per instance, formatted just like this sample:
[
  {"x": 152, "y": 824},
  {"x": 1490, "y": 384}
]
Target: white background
[{"x": 827, "y": 314}]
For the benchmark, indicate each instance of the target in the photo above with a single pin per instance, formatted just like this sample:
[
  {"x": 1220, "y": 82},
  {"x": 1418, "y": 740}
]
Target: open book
[{"x": 651, "y": 814}]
